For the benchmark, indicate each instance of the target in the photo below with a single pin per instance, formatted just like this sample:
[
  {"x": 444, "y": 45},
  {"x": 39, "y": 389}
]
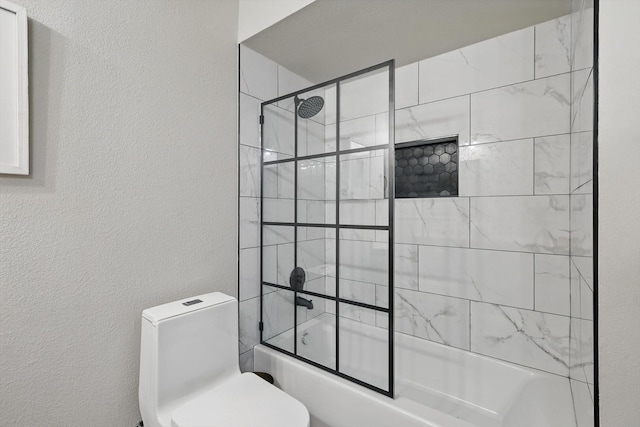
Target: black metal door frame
[{"x": 337, "y": 226}]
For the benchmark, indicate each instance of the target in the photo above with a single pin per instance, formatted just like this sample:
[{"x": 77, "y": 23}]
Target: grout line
[
  {"x": 533, "y": 142},
  {"x": 547, "y": 313},
  {"x": 418, "y": 82},
  {"x": 484, "y": 354},
  {"x": 534, "y": 52},
  {"x": 497, "y": 87},
  {"x": 470, "y": 323},
  {"x": 469, "y": 120},
  {"x": 469, "y": 222},
  {"x": 534, "y": 282}
]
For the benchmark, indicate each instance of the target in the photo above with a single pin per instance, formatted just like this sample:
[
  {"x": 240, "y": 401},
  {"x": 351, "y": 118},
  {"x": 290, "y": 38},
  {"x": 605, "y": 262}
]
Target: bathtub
[{"x": 435, "y": 385}]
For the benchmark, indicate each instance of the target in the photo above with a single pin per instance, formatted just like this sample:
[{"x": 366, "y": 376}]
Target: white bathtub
[{"x": 436, "y": 385}]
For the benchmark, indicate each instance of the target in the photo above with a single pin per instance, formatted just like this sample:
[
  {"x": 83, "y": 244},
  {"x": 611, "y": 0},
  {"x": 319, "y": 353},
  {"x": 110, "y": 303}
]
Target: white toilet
[{"x": 190, "y": 376}]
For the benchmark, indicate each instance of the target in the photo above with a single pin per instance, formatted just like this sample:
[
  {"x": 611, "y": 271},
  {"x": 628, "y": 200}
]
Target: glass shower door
[{"x": 327, "y": 235}]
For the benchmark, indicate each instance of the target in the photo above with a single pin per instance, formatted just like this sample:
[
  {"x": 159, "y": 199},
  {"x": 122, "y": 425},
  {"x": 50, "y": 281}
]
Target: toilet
[{"x": 190, "y": 375}]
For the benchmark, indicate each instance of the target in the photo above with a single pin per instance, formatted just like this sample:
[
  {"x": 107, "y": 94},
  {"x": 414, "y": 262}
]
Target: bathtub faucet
[{"x": 304, "y": 302}]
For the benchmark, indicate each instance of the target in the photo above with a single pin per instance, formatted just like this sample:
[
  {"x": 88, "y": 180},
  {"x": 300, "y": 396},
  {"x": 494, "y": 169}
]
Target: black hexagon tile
[{"x": 427, "y": 170}]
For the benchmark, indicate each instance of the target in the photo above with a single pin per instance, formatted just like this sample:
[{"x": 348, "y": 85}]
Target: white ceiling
[{"x": 330, "y": 38}]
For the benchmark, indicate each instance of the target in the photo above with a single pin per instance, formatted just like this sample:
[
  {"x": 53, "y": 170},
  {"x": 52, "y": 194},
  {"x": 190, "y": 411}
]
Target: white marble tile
[
  {"x": 433, "y": 221},
  {"x": 377, "y": 175},
  {"x": 491, "y": 276},
  {"x": 586, "y": 300},
  {"x": 364, "y": 95},
  {"x": 278, "y": 210},
  {"x": 354, "y": 291},
  {"x": 433, "y": 317},
  {"x": 270, "y": 181},
  {"x": 582, "y": 224},
  {"x": 364, "y": 261},
  {"x": 552, "y": 163},
  {"x": 312, "y": 233},
  {"x": 249, "y": 222},
  {"x": 581, "y": 296},
  {"x": 249, "y": 273},
  {"x": 362, "y": 176},
  {"x": 582, "y": 350},
  {"x": 382, "y": 300},
  {"x": 405, "y": 267},
  {"x": 582, "y": 404},
  {"x": 382, "y": 128},
  {"x": 575, "y": 291},
  {"x": 311, "y": 174},
  {"x": 354, "y": 174},
  {"x": 358, "y": 133},
  {"x": 277, "y": 313},
  {"x": 552, "y": 284},
  {"x": 330, "y": 104},
  {"x": 249, "y": 171},
  {"x": 246, "y": 361},
  {"x": 531, "y": 224},
  {"x": 382, "y": 212},
  {"x": 315, "y": 139},
  {"x": 311, "y": 257},
  {"x": 582, "y": 101},
  {"x": 319, "y": 304},
  {"x": 582, "y": 163},
  {"x": 312, "y": 211},
  {"x": 270, "y": 264},
  {"x": 553, "y": 47},
  {"x": 249, "y": 334},
  {"x": 356, "y": 212},
  {"x": 258, "y": 75},
  {"x": 249, "y": 121},
  {"x": 582, "y": 36},
  {"x": 286, "y": 185},
  {"x": 491, "y": 63},
  {"x": 535, "y": 108},
  {"x": 434, "y": 120},
  {"x": 285, "y": 263},
  {"x": 498, "y": 169},
  {"x": 289, "y": 82},
  {"x": 276, "y": 235},
  {"x": 529, "y": 338},
  {"x": 354, "y": 234},
  {"x": 406, "y": 86},
  {"x": 585, "y": 268},
  {"x": 278, "y": 130}
]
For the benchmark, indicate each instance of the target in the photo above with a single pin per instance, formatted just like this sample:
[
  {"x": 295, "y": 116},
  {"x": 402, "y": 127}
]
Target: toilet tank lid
[{"x": 184, "y": 306}]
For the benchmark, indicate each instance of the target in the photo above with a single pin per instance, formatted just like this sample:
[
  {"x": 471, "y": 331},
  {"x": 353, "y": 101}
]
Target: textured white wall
[
  {"x": 619, "y": 210},
  {"x": 131, "y": 202}
]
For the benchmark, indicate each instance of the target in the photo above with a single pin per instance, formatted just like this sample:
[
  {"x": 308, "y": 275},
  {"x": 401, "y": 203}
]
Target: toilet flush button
[{"x": 192, "y": 302}]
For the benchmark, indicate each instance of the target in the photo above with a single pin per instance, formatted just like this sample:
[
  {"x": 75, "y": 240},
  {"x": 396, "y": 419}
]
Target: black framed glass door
[{"x": 327, "y": 226}]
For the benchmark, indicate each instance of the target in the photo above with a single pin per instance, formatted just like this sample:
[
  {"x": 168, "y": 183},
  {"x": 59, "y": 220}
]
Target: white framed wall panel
[{"x": 14, "y": 90}]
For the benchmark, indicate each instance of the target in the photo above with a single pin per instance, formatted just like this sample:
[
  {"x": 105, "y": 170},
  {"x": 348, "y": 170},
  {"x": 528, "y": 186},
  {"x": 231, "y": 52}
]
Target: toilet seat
[{"x": 244, "y": 400}]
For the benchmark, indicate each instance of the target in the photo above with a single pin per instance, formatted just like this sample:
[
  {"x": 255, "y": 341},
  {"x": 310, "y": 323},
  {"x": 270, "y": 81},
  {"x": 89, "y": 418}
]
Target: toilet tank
[{"x": 186, "y": 346}]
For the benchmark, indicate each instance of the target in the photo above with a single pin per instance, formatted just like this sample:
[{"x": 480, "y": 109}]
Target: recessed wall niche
[{"x": 427, "y": 168}]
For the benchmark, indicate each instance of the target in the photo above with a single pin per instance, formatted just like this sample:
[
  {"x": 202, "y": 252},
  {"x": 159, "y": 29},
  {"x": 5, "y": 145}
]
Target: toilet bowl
[{"x": 190, "y": 376}]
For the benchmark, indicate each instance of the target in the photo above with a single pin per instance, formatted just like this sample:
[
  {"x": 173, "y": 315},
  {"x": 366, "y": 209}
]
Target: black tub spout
[{"x": 304, "y": 302}]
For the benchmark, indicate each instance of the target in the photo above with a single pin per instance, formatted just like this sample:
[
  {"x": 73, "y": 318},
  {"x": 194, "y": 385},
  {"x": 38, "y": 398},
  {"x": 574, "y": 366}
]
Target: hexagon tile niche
[{"x": 427, "y": 169}]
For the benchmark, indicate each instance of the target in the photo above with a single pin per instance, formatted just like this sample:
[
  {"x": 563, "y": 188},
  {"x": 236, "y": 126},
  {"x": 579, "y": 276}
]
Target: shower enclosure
[{"x": 326, "y": 248}]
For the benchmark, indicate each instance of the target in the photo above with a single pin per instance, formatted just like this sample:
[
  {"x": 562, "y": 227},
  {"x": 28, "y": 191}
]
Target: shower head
[{"x": 309, "y": 107}]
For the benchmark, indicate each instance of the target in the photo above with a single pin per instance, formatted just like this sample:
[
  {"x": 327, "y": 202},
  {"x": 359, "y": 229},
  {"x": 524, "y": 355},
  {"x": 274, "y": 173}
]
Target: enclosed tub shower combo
[{"x": 416, "y": 242}]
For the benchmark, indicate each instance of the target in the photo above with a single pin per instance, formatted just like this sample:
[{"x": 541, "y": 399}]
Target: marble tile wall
[
  {"x": 490, "y": 271},
  {"x": 260, "y": 80},
  {"x": 581, "y": 206},
  {"x": 503, "y": 270}
]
